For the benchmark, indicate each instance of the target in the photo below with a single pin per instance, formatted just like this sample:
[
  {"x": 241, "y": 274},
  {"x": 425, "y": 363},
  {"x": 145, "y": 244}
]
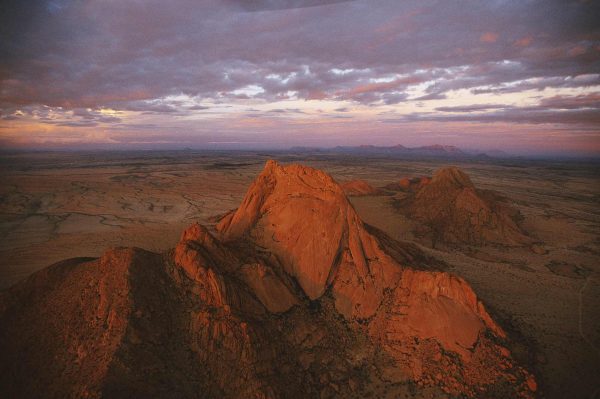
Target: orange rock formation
[
  {"x": 359, "y": 188},
  {"x": 293, "y": 296},
  {"x": 452, "y": 211}
]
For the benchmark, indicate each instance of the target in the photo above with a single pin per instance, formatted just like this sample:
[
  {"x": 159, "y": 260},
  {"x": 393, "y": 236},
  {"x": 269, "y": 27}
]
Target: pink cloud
[
  {"x": 577, "y": 50},
  {"x": 381, "y": 86},
  {"x": 488, "y": 37},
  {"x": 524, "y": 41},
  {"x": 316, "y": 95}
]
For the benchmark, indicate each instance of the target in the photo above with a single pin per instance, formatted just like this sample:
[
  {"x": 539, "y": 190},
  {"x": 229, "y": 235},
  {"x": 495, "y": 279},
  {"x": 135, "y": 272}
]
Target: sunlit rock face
[
  {"x": 359, "y": 188},
  {"x": 291, "y": 296},
  {"x": 303, "y": 217}
]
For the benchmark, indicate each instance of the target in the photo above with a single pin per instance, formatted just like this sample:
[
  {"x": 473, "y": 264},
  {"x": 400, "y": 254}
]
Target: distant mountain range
[{"x": 430, "y": 151}]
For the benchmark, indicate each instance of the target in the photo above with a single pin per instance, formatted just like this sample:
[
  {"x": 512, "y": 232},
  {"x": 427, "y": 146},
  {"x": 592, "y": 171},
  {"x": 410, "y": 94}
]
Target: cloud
[
  {"x": 147, "y": 107},
  {"x": 537, "y": 83},
  {"x": 579, "y": 110},
  {"x": 270, "y": 5},
  {"x": 524, "y": 41},
  {"x": 390, "y": 92},
  {"x": 489, "y": 37},
  {"x": 168, "y": 62},
  {"x": 208, "y": 50},
  {"x": 431, "y": 96},
  {"x": 572, "y": 102},
  {"x": 287, "y": 111},
  {"x": 470, "y": 108}
]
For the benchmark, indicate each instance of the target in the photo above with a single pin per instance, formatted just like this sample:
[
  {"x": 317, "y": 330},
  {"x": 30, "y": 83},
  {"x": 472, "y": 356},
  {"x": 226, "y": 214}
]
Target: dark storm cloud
[{"x": 126, "y": 55}]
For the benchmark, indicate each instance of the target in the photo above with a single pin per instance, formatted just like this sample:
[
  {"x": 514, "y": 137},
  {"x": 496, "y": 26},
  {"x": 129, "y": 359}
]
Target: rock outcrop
[
  {"x": 406, "y": 184},
  {"x": 292, "y": 296},
  {"x": 450, "y": 210},
  {"x": 360, "y": 188}
]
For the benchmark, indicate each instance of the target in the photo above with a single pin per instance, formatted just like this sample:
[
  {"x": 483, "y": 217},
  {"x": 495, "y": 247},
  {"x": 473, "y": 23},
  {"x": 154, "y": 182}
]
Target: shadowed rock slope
[
  {"x": 450, "y": 210},
  {"x": 292, "y": 296}
]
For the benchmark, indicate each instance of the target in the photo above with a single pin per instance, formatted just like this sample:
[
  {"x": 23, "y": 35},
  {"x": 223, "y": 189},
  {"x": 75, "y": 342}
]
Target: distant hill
[
  {"x": 431, "y": 151},
  {"x": 428, "y": 151},
  {"x": 451, "y": 210}
]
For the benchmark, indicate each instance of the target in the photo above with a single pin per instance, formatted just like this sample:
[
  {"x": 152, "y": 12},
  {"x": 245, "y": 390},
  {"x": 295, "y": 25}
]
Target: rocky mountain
[
  {"x": 360, "y": 188},
  {"x": 451, "y": 210},
  {"x": 292, "y": 295}
]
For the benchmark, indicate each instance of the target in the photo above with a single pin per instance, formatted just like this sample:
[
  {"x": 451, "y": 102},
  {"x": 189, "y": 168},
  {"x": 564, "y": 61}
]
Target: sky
[{"x": 520, "y": 76}]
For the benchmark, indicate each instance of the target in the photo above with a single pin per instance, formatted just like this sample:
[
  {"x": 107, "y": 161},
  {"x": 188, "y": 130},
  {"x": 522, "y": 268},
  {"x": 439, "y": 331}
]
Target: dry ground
[{"x": 61, "y": 205}]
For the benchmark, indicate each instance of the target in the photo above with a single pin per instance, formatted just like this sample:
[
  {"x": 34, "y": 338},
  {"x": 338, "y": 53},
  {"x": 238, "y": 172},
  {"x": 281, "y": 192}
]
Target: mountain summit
[
  {"x": 452, "y": 211},
  {"x": 291, "y": 296}
]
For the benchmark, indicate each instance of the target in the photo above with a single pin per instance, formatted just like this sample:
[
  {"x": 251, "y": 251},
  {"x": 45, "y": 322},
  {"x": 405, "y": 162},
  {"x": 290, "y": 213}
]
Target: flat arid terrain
[{"x": 543, "y": 289}]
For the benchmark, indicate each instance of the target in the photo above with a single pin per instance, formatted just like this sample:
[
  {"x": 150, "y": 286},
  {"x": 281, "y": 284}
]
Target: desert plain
[{"x": 59, "y": 205}]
